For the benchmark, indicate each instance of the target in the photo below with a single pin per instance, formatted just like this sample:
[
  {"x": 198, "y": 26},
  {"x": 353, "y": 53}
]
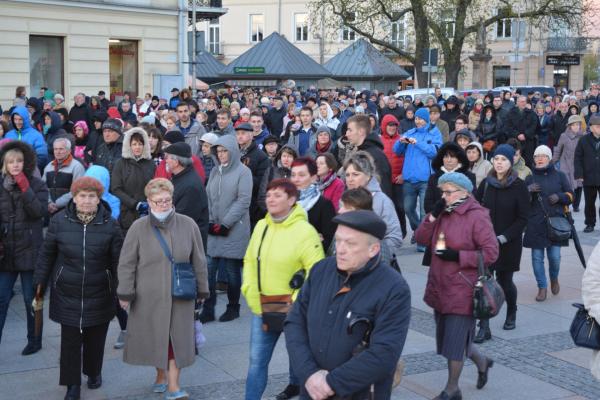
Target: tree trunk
[
  {"x": 452, "y": 64},
  {"x": 421, "y": 41}
]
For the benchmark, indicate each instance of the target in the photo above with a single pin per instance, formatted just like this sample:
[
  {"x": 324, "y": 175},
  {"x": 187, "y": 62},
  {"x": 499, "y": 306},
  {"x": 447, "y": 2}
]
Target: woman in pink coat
[
  {"x": 457, "y": 230},
  {"x": 330, "y": 185}
]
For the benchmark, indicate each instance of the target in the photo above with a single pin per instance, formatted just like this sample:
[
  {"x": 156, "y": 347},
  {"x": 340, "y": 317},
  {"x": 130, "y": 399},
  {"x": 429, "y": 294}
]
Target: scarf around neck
[
  {"x": 309, "y": 197},
  {"x": 325, "y": 183},
  {"x": 454, "y": 205}
]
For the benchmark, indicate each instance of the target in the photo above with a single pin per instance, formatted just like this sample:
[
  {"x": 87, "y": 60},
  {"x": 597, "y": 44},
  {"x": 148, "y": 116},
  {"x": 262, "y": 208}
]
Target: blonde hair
[
  {"x": 9, "y": 155},
  {"x": 158, "y": 185}
]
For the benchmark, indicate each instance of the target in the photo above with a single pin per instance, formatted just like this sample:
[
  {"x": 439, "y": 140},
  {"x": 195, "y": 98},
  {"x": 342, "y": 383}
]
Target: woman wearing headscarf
[
  {"x": 478, "y": 165},
  {"x": 80, "y": 255},
  {"x": 507, "y": 199},
  {"x": 330, "y": 185},
  {"x": 466, "y": 231}
]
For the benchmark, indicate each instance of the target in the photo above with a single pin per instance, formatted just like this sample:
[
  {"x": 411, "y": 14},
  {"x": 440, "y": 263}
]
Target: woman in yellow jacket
[{"x": 282, "y": 249}]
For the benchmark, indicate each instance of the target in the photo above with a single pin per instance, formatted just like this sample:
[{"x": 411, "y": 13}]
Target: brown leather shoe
[
  {"x": 554, "y": 287},
  {"x": 541, "y": 296}
]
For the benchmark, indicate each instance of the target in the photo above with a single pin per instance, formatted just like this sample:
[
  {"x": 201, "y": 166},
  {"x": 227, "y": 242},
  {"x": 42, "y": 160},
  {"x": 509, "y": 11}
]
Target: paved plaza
[{"x": 536, "y": 361}]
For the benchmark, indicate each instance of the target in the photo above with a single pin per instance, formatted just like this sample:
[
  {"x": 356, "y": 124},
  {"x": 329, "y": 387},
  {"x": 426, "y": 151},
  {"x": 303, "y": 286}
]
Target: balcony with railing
[
  {"x": 567, "y": 44},
  {"x": 206, "y": 9}
]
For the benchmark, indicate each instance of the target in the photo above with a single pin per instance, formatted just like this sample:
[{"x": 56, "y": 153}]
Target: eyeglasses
[
  {"x": 449, "y": 192},
  {"x": 162, "y": 202}
]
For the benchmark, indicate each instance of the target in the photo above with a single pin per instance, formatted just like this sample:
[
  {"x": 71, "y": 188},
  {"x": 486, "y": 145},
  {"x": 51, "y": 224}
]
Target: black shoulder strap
[
  {"x": 163, "y": 244},
  {"x": 262, "y": 239}
]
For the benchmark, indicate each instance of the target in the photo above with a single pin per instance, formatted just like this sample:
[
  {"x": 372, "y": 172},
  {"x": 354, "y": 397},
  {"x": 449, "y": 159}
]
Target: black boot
[
  {"x": 289, "y": 392},
  {"x": 73, "y": 392},
  {"x": 206, "y": 316},
  {"x": 232, "y": 312},
  {"x": 94, "y": 382},
  {"x": 484, "y": 331},
  {"x": 510, "y": 322},
  {"x": 33, "y": 346}
]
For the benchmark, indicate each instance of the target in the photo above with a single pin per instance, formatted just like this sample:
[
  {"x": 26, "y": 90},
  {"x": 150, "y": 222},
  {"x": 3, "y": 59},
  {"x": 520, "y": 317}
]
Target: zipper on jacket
[
  {"x": 58, "y": 275},
  {"x": 82, "y": 281},
  {"x": 466, "y": 280},
  {"x": 109, "y": 279}
]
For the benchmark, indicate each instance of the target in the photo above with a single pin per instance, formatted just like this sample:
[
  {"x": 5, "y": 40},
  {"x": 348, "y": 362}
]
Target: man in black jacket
[
  {"x": 258, "y": 162},
  {"x": 393, "y": 108},
  {"x": 276, "y": 115},
  {"x": 347, "y": 299},
  {"x": 521, "y": 124},
  {"x": 80, "y": 110},
  {"x": 358, "y": 135},
  {"x": 110, "y": 150},
  {"x": 189, "y": 197},
  {"x": 559, "y": 121},
  {"x": 587, "y": 170}
]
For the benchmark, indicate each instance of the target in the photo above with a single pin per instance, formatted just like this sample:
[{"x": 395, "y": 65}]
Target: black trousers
[
  {"x": 398, "y": 200},
  {"x": 72, "y": 344},
  {"x": 505, "y": 280},
  {"x": 577, "y": 200},
  {"x": 590, "y": 193}
]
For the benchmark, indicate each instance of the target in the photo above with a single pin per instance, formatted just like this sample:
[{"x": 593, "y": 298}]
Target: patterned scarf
[
  {"x": 454, "y": 205},
  {"x": 86, "y": 218},
  {"x": 309, "y": 196},
  {"x": 325, "y": 183}
]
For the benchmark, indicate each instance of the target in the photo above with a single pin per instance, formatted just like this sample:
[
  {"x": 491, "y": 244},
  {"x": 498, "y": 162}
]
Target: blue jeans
[
  {"x": 234, "y": 281},
  {"x": 7, "y": 282},
  {"x": 537, "y": 260},
  {"x": 262, "y": 345},
  {"x": 411, "y": 192}
]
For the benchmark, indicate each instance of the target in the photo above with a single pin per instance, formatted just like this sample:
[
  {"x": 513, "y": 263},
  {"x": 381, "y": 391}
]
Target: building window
[
  {"x": 501, "y": 75},
  {"x": 214, "y": 37},
  {"x": 257, "y": 27},
  {"x": 46, "y": 63},
  {"x": 504, "y": 26},
  {"x": 398, "y": 33},
  {"x": 123, "y": 68},
  {"x": 301, "y": 27},
  {"x": 448, "y": 23},
  {"x": 348, "y": 33}
]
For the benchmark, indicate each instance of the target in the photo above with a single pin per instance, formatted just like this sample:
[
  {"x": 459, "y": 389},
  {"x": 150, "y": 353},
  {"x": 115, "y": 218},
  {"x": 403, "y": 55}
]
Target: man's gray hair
[
  {"x": 63, "y": 139},
  {"x": 183, "y": 161}
]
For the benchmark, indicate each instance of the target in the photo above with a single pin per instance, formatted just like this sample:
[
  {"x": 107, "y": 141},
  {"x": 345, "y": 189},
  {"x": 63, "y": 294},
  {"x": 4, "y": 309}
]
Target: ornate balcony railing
[{"x": 567, "y": 44}]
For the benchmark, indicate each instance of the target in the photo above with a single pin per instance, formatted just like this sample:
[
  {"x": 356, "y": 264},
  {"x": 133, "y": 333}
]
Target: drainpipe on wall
[{"x": 279, "y": 17}]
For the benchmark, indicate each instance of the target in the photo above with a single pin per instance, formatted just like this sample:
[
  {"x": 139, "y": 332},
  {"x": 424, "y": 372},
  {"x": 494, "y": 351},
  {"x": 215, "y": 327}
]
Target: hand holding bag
[
  {"x": 183, "y": 277},
  {"x": 274, "y": 308},
  {"x": 559, "y": 228},
  {"x": 488, "y": 296},
  {"x": 584, "y": 330}
]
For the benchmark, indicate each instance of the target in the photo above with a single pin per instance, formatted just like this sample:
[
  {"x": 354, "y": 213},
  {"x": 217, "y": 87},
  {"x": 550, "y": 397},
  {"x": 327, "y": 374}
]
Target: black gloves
[
  {"x": 438, "y": 208},
  {"x": 553, "y": 198},
  {"x": 217, "y": 230},
  {"x": 298, "y": 279},
  {"x": 447, "y": 254},
  {"x": 534, "y": 188}
]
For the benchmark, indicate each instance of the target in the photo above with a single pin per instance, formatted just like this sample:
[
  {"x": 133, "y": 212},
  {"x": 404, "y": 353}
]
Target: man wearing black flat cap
[
  {"x": 344, "y": 297},
  {"x": 189, "y": 197}
]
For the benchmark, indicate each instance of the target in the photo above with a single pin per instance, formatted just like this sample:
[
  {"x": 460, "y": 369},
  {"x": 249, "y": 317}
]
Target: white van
[{"x": 422, "y": 92}]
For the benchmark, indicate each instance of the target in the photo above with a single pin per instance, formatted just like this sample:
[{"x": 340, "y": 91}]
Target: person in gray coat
[
  {"x": 360, "y": 172},
  {"x": 229, "y": 191},
  {"x": 564, "y": 154}
]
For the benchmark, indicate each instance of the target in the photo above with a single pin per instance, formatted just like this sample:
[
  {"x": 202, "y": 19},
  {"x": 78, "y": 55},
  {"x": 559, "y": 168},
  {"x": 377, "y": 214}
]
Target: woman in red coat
[
  {"x": 330, "y": 185},
  {"x": 458, "y": 229}
]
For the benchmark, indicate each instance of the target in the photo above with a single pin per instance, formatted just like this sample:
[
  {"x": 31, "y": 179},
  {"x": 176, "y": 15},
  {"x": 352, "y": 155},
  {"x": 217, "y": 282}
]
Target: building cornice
[{"x": 99, "y": 6}]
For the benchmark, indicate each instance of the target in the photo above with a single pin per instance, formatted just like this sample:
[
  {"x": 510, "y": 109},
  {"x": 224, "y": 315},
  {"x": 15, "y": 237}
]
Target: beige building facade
[
  {"x": 87, "y": 46},
  {"x": 520, "y": 54}
]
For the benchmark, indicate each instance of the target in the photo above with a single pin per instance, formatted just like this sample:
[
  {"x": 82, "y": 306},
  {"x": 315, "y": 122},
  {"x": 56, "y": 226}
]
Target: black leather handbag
[
  {"x": 584, "y": 330},
  {"x": 488, "y": 296},
  {"x": 559, "y": 228}
]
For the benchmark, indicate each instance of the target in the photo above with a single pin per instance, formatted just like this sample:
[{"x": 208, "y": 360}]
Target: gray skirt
[{"x": 454, "y": 335}]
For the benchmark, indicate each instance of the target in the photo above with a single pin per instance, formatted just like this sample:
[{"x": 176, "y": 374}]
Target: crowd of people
[{"x": 297, "y": 200}]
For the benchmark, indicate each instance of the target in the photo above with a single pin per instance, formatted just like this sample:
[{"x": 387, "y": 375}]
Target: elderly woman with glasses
[
  {"x": 458, "y": 230},
  {"x": 160, "y": 330}
]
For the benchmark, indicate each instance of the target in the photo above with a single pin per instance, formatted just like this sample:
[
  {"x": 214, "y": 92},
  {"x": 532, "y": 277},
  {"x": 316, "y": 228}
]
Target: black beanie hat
[{"x": 180, "y": 149}]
